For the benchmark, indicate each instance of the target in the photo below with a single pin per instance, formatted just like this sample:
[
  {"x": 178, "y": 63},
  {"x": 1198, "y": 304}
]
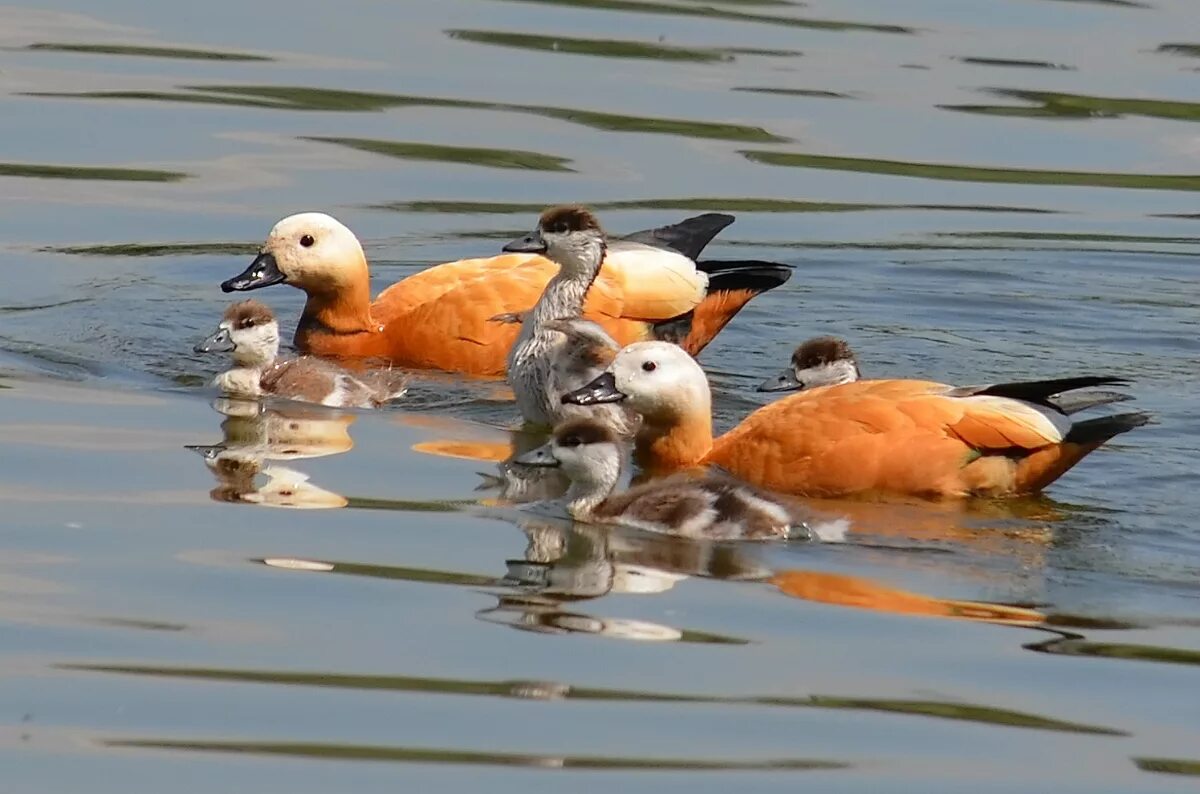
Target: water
[{"x": 969, "y": 191}]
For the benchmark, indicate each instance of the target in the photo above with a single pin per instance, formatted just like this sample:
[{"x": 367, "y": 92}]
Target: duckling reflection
[{"x": 254, "y": 435}]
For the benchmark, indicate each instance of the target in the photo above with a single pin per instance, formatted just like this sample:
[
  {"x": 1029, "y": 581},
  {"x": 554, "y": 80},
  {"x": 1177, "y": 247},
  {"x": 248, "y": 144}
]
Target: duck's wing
[
  {"x": 900, "y": 436},
  {"x": 432, "y": 283},
  {"x": 689, "y": 237},
  {"x": 639, "y": 282}
]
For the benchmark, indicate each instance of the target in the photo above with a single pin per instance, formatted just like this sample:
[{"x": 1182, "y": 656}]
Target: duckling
[
  {"x": 557, "y": 351},
  {"x": 871, "y": 437},
  {"x": 249, "y": 330},
  {"x": 590, "y": 454},
  {"x": 829, "y": 360},
  {"x": 650, "y": 287}
]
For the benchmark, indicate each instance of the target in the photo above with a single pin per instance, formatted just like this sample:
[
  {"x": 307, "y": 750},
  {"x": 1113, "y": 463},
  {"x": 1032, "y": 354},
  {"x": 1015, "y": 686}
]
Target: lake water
[{"x": 970, "y": 190}]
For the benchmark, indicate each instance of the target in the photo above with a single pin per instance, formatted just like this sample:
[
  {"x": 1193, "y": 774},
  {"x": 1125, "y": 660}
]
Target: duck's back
[
  {"x": 712, "y": 507},
  {"x": 314, "y": 380},
  {"x": 885, "y": 436},
  {"x": 441, "y": 318}
]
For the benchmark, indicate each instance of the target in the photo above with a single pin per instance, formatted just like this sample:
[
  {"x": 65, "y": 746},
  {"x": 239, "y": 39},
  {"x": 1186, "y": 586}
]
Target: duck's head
[
  {"x": 248, "y": 330},
  {"x": 587, "y": 451},
  {"x": 570, "y": 235},
  {"x": 659, "y": 380},
  {"x": 820, "y": 361},
  {"x": 311, "y": 250}
]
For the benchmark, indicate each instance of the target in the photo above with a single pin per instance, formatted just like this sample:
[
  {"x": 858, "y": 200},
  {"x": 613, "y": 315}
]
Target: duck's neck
[
  {"x": 670, "y": 443},
  {"x": 563, "y": 297},
  {"x": 592, "y": 485},
  {"x": 345, "y": 310}
]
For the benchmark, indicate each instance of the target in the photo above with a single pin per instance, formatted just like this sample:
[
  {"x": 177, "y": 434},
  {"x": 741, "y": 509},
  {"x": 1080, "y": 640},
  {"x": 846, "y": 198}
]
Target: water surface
[{"x": 968, "y": 191}]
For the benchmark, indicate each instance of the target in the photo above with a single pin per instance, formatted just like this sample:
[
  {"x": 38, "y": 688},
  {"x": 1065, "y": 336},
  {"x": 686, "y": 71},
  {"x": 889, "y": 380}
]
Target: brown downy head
[
  {"x": 820, "y": 361},
  {"x": 570, "y": 235}
]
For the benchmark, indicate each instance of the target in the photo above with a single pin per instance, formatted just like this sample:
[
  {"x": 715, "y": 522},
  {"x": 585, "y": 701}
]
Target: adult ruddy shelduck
[
  {"x": 440, "y": 318},
  {"x": 250, "y": 332},
  {"x": 908, "y": 437},
  {"x": 829, "y": 360}
]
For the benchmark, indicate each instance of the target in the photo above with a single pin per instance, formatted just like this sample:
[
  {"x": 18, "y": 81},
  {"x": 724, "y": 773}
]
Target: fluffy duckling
[
  {"x": 820, "y": 361},
  {"x": 898, "y": 437},
  {"x": 829, "y": 361},
  {"x": 590, "y": 454},
  {"x": 648, "y": 288},
  {"x": 557, "y": 351},
  {"x": 249, "y": 330}
]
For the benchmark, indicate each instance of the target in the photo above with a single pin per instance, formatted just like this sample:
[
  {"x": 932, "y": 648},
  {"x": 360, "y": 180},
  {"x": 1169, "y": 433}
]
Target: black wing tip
[
  {"x": 1103, "y": 428},
  {"x": 752, "y": 274}
]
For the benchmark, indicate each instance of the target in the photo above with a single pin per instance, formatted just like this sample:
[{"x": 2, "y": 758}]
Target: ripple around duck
[
  {"x": 1014, "y": 63},
  {"x": 1076, "y": 646},
  {"x": 438, "y": 755},
  {"x": 611, "y": 48},
  {"x": 1056, "y": 105},
  {"x": 698, "y": 204},
  {"x": 712, "y": 12},
  {"x": 89, "y": 173},
  {"x": 553, "y": 690},
  {"x": 970, "y": 173},
  {"x": 334, "y": 100},
  {"x": 462, "y": 155},
  {"x": 143, "y": 51},
  {"x": 1169, "y": 766}
]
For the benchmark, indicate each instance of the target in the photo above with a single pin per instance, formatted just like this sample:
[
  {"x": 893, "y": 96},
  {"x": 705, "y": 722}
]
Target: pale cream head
[
  {"x": 315, "y": 251},
  {"x": 660, "y": 380}
]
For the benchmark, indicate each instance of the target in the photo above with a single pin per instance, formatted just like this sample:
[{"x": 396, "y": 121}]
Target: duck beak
[
  {"x": 219, "y": 341},
  {"x": 784, "y": 381},
  {"x": 206, "y": 451},
  {"x": 601, "y": 390},
  {"x": 532, "y": 243},
  {"x": 263, "y": 272},
  {"x": 543, "y": 456}
]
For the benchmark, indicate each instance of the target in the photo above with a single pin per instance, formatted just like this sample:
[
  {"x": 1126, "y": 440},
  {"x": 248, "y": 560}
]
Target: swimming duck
[
  {"x": 557, "y": 351},
  {"x": 439, "y": 318},
  {"x": 712, "y": 507},
  {"x": 867, "y": 437},
  {"x": 249, "y": 330},
  {"x": 829, "y": 360}
]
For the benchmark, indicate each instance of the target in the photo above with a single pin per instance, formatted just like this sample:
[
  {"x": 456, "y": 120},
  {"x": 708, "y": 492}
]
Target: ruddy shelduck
[
  {"x": 829, "y": 360},
  {"x": 440, "y": 317},
  {"x": 872, "y": 437},
  {"x": 712, "y": 507},
  {"x": 250, "y": 332}
]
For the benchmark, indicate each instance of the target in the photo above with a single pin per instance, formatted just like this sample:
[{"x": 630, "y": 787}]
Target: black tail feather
[
  {"x": 1095, "y": 431},
  {"x": 689, "y": 237},
  {"x": 726, "y": 275},
  {"x": 1039, "y": 391},
  {"x": 1074, "y": 402}
]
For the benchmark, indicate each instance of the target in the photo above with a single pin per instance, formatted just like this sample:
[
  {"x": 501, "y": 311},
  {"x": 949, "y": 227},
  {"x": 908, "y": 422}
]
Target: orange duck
[
  {"x": 649, "y": 287},
  {"x": 869, "y": 437}
]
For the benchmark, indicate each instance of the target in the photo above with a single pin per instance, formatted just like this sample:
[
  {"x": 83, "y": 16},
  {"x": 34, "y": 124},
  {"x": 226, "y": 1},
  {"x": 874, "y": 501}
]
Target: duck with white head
[{"x": 875, "y": 437}]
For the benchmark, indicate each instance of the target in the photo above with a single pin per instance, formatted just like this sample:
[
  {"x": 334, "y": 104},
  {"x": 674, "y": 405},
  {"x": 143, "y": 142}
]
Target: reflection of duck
[
  {"x": 281, "y": 433},
  {"x": 891, "y": 437},
  {"x": 250, "y": 332},
  {"x": 829, "y": 361},
  {"x": 439, "y": 318},
  {"x": 713, "y": 507}
]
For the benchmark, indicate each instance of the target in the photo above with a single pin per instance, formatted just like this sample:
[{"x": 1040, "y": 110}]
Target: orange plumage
[
  {"x": 867, "y": 437},
  {"x": 441, "y": 318}
]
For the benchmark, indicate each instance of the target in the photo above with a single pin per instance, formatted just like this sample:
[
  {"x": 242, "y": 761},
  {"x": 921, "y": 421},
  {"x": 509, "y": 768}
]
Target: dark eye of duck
[
  {"x": 307, "y": 241},
  {"x": 649, "y": 366},
  {"x": 570, "y": 441}
]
